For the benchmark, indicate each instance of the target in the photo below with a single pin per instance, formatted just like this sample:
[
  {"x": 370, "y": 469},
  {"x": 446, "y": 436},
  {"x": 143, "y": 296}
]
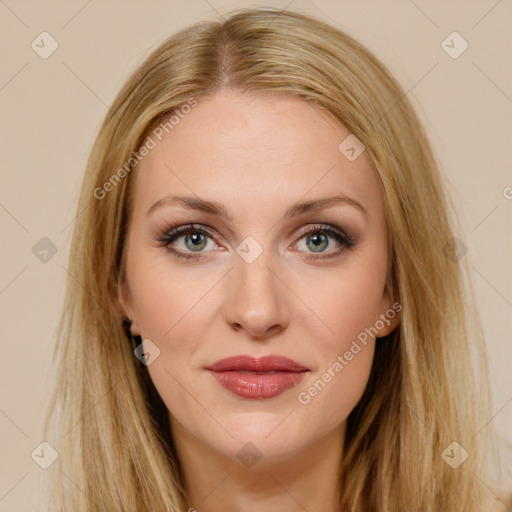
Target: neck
[{"x": 307, "y": 480}]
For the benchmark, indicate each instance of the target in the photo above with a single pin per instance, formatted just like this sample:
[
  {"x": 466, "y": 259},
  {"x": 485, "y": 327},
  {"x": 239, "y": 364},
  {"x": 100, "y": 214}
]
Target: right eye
[{"x": 194, "y": 240}]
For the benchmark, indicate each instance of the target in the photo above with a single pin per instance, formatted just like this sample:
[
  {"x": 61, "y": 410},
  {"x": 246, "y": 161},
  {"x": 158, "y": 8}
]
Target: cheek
[
  {"x": 173, "y": 306},
  {"x": 166, "y": 296},
  {"x": 343, "y": 304},
  {"x": 328, "y": 398},
  {"x": 349, "y": 306}
]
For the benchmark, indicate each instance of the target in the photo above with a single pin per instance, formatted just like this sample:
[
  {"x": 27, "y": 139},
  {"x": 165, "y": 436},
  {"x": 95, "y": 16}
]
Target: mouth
[
  {"x": 263, "y": 364},
  {"x": 257, "y": 379}
]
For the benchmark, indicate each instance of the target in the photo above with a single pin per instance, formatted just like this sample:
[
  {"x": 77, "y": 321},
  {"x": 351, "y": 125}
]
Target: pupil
[
  {"x": 318, "y": 240},
  {"x": 196, "y": 240}
]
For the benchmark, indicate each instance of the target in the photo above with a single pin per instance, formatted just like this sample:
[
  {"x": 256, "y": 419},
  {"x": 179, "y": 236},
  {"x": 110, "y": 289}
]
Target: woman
[{"x": 267, "y": 307}]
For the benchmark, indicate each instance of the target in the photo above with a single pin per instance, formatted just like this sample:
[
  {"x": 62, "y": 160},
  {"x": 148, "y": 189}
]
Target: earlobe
[
  {"x": 134, "y": 328},
  {"x": 390, "y": 320},
  {"x": 124, "y": 302},
  {"x": 390, "y": 316}
]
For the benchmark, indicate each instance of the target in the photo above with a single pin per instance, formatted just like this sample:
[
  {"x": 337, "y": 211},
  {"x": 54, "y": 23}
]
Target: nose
[{"x": 256, "y": 298}]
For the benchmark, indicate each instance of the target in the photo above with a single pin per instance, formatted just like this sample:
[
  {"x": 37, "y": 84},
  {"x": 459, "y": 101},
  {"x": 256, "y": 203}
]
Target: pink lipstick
[{"x": 257, "y": 378}]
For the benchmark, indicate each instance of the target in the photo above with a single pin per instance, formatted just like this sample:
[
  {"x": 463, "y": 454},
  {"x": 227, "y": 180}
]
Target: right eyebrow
[{"x": 192, "y": 203}]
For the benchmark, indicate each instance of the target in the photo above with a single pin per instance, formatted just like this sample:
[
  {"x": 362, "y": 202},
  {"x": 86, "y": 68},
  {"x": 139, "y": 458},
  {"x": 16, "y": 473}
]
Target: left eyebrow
[
  {"x": 218, "y": 210},
  {"x": 315, "y": 205}
]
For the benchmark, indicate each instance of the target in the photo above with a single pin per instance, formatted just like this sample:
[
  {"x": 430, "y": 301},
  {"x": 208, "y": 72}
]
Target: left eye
[
  {"x": 318, "y": 239},
  {"x": 196, "y": 239}
]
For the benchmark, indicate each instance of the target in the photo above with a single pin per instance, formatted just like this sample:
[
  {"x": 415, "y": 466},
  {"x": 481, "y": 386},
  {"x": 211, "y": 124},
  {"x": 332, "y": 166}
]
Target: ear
[
  {"x": 124, "y": 297},
  {"x": 390, "y": 315}
]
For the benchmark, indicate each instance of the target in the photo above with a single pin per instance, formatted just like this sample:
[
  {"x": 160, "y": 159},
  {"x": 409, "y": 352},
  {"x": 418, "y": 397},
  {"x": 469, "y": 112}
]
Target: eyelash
[{"x": 169, "y": 234}]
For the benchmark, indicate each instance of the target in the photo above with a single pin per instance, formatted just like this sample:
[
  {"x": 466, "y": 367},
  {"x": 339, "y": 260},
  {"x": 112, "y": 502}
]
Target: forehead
[{"x": 252, "y": 150}]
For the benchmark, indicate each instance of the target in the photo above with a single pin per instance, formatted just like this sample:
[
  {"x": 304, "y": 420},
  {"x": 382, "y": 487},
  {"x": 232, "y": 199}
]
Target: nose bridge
[
  {"x": 256, "y": 301},
  {"x": 255, "y": 274}
]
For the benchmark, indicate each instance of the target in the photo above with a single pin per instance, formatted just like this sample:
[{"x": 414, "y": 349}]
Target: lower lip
[{"x": 257, "y": 386}]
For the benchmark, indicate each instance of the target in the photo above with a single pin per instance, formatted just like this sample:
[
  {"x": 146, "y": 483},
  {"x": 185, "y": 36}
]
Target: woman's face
[{"x": 257, "y": 275}]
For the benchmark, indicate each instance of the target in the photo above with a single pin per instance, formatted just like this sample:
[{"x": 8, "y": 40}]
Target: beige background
[{"x": 51, "y": 109}]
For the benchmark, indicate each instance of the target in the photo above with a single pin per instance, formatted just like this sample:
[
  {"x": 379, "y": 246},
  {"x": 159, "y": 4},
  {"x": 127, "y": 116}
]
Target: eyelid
[
  {"x": 321, "y": 226},
  {"x": 179, "y": 229},
  {"x": 170, "y": 234}
]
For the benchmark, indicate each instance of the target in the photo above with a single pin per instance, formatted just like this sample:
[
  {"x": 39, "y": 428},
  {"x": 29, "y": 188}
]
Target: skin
[{"x": 257, "y": 155}]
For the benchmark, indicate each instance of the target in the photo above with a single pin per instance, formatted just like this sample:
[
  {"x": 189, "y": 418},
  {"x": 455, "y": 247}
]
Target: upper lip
[{"x": 261, "y": 364}]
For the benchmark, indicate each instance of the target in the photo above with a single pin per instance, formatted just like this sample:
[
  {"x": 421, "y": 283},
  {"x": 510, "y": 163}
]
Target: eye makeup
[{"x": 169, "y": 234}]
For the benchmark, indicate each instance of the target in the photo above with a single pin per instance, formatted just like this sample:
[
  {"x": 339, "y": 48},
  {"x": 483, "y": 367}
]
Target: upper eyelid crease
[{"x": 218, "y": 210}]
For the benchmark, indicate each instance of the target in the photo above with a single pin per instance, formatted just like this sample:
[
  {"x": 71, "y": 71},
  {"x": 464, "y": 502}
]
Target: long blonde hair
[{"x": 427, "y": 389}]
